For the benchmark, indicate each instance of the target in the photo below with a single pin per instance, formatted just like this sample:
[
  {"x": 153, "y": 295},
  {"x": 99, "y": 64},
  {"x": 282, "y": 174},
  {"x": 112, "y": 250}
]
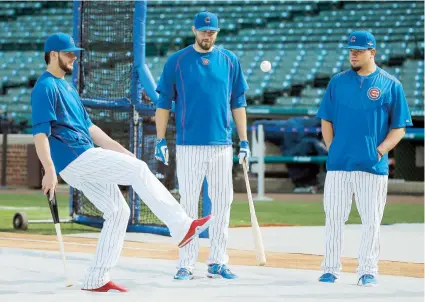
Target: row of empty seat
[{"x": 302, "y": 40}]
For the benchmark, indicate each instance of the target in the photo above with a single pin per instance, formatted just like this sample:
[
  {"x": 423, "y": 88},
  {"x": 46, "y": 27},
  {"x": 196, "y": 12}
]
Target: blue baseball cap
[
  {"x": 361, "y": 40},
  {"x": 206, "y": 21},
  {"x": 60, "y": 42}
]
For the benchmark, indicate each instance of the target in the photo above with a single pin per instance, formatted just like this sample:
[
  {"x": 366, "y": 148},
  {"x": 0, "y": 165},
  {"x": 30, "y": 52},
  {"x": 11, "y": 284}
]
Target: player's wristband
[
  {"x": 379, "y": 152},
  {"x": 244, "y": 144}
]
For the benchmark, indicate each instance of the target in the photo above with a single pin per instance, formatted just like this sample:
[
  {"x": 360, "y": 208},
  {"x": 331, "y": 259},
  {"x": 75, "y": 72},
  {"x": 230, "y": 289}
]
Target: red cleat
[
  {"x": 196, "y": 228},
  {"x": 108, "y": 287}
]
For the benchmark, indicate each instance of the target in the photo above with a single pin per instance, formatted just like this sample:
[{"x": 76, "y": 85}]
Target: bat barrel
[{"x": 258, "y": 241}]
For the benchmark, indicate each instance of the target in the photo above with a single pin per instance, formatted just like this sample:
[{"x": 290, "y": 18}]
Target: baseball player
[
  {"x": 364, "y": 114},
  {"x": 208, "y": 87},
  {"x": 64, "y": 139}
]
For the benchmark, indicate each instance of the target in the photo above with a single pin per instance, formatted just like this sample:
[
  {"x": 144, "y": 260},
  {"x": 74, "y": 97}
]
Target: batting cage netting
[
  {"x": 107, "y": 34},
  {"x": 113, "y": 82}
]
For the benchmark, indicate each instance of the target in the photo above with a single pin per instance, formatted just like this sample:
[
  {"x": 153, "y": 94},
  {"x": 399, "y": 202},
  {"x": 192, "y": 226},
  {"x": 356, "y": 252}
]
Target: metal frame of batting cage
[{"x": 141, "y": 79}]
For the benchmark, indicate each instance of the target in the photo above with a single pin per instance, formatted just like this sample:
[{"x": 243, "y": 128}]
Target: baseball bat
[
  {"x": 258, "y": 241},
  {"x": 53, "y": 205}
]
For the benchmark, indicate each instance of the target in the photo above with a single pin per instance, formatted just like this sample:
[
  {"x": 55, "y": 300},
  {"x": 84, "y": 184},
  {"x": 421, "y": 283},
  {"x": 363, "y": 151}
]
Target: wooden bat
[
  {"x": 258, "y": 241},
  {"x": 53, "y": 205}
]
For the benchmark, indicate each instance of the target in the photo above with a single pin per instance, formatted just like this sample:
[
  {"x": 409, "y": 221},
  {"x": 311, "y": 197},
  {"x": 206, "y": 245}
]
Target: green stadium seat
[
  {"x": 287, "y": 101},
  {"x": 300, "y": 48}
]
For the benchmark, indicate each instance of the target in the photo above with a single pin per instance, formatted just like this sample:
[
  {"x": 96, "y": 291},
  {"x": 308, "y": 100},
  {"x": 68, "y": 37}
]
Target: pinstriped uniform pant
[
  {"x": 97, "y": 173},
  {"x": 194, "y": 163},
  {"x": 370, "y": 193}
]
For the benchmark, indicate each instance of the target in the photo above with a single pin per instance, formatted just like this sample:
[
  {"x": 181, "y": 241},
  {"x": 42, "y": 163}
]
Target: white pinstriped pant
[
  {"x": 370, "y": 193},
  {"x": 97, "y": 173},
  {"x": 194, "y": 163}
]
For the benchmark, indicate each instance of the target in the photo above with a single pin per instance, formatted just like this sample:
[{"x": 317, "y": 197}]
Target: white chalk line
[
  {"x": 23, "y": 208},
  {"x": 82, "y": 244}
]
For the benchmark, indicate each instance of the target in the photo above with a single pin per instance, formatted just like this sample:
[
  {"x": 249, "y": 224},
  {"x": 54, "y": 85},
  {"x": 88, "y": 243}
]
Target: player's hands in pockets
[
  {"x": 244, "y": 153},
  {"x": 161, "y": 150},
  {"x": 49, "y": 182}
]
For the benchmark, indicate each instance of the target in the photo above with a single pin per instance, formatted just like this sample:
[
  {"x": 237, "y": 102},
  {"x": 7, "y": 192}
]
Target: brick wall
[{"x": 17, "y": 171}]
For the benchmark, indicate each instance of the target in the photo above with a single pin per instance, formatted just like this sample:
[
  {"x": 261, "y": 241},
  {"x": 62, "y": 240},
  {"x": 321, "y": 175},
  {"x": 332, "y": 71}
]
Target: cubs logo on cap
[
  {"x": 206, "y": 21},
  {"x": 374, "y": 93},
  {"x": 361, "y": 40}
]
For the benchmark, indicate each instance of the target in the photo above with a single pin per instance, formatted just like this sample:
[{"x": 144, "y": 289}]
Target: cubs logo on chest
[
  {"x": 374, "y": 93},
  {"x": 205, "y": 61}
]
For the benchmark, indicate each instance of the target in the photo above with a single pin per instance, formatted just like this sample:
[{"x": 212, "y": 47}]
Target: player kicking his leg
[
  {"x": 64, "y": 139},
  {"x": 208, "y": 87}
]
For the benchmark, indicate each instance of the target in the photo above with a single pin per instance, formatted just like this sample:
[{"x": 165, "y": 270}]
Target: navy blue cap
[
  {"x": 60, "y": 42},
  {"x": 361, "y": 40},
  {"x": 206, "y": 21}
]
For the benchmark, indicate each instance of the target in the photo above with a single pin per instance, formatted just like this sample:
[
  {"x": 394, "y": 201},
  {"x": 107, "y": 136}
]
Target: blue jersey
[
  {"x": 362, "y": 109},
  {"x": 205, "y": 88},
  {"x": 58, "y": 112}
]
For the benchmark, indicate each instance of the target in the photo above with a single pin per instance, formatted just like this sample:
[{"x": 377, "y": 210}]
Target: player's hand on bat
[
  {"x": 244, "y": 153},
  {"x": 161, "y": 150},
  {"x": 49, "y": 182}
]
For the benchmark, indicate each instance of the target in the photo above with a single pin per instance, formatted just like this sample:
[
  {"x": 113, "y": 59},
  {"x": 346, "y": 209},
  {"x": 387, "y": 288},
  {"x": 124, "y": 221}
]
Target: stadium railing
[{"x": 259, "y": 159}]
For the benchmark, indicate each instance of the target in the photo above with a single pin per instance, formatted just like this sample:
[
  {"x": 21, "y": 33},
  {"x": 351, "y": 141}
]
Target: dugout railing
[{"x": 259, "y": 158}]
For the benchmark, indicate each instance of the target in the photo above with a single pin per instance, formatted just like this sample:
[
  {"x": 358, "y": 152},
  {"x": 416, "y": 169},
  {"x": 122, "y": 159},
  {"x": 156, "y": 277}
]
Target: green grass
[
  {"x": 312, "y": 213},
  {"x": 41, "y": 212},
  {"x": 268, "y": 212}
]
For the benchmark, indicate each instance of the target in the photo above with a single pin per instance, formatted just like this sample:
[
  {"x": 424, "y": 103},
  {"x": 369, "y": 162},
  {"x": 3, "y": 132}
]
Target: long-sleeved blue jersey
[{"x": 205, "y": 88}]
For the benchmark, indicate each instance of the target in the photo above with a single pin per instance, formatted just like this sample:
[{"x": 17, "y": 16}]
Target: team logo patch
[
  {"x": 370, "y": 43},
  {"x": 205, "y": 61},
  {"x": 353, "y": 39},
  {"x": 374, "y": 93},
  {"x": 72, "y": 41},
  {"x": 207, "y": 20}
]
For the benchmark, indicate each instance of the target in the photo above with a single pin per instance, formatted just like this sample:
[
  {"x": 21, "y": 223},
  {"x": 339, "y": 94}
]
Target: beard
[
  {"x": 205, "y": 45},
  {"x": 63, "y": 66},
  {"x": 356, "y": 68}
]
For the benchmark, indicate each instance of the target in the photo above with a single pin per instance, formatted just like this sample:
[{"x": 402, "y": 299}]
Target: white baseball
[{"x": 266, "y": 66}]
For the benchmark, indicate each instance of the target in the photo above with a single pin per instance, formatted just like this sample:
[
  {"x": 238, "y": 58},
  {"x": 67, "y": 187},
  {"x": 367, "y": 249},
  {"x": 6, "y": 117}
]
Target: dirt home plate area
[{"x": 31, "y": 268}]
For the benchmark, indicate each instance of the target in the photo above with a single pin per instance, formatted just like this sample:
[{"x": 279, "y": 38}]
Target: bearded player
[
  {"x": 64, "y": 138},
  {"x": 208, "y": 88}
]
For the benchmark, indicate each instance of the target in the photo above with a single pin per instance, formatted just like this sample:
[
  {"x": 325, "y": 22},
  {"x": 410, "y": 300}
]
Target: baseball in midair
[{"x": 266, "y": 66}]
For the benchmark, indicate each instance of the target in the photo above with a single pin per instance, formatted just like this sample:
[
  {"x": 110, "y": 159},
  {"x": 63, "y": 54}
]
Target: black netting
[
  {"x": 407, "y": 161},
  {"x": 106, "y": 76},
  {"x": 166, "y": 174},
  {"x": 107, "y": 37},
  {"x": 115, "y": 123}
]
